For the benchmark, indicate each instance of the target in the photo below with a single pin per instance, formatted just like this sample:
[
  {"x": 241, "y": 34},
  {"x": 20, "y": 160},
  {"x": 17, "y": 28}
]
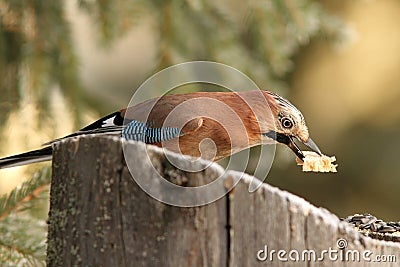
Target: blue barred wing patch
[{"x": 140, "y": 131}]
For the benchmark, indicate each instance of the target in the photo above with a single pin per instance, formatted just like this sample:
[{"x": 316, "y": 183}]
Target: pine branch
[
  {"x": 24, "y": 194},
  {"x": 23, "y": 234},
  {"x": 23, "y": 240}
]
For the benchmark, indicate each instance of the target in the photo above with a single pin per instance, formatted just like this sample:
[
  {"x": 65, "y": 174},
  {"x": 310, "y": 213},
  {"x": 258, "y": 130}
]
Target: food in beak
[{"x": 317, "y": 163}]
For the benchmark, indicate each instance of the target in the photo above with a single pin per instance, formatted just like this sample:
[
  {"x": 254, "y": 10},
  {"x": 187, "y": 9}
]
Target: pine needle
[
  {"x": 25, "y": 193},
  {"x": 23, "y": 235}
]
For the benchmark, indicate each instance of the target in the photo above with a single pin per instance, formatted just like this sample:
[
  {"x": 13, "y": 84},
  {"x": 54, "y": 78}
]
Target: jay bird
[{"x": 233, "y": 121}]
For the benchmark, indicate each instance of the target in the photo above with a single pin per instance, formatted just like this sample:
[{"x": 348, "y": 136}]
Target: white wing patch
[{"x": 108, "y": 122}]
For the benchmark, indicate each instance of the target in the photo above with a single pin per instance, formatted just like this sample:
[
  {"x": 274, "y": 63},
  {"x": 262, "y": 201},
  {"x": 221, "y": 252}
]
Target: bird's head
[{"x": 289, "y": 125}]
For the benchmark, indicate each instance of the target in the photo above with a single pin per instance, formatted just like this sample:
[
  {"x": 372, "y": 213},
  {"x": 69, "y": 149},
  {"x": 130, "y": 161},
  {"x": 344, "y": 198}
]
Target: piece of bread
[{"x": 316, "y": 163}]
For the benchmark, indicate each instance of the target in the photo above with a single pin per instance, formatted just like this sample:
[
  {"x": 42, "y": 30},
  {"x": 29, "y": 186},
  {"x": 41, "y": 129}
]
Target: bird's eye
[{"x": 287, "y": 123}]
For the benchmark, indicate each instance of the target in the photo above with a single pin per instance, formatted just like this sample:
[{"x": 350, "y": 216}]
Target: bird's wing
[
  {"x": 131, "y": 129},
  {"x": 145, "y": 132},
  {"x": 141, "y": 131},
  {"x": 111, "y": 124}
]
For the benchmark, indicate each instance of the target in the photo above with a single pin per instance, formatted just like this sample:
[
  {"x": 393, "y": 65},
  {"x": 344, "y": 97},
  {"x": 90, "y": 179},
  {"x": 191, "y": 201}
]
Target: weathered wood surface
[{"x": 100, "y": 217}]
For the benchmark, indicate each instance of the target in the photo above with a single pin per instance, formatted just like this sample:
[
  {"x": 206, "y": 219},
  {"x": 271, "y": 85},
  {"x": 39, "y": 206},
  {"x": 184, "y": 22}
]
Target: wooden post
[{"x": 99, "y": 216}]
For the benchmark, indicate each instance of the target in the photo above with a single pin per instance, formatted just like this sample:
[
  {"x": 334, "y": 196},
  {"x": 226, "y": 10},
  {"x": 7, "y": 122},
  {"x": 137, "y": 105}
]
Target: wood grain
[{"x": 99, "y": 216}]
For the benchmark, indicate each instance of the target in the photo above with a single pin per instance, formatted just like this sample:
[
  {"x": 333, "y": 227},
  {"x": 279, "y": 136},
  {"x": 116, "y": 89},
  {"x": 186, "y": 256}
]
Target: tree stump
[{"x": 99, "y": 216}]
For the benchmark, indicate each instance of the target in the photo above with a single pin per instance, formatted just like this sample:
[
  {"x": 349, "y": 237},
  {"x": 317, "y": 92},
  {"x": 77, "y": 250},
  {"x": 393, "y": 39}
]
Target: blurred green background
[{"x": 65, "y": 63}]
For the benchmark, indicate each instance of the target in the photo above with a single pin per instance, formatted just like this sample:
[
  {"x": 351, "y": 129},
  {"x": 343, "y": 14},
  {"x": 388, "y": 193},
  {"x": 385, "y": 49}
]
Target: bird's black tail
[{"x": 38, "y": 155}]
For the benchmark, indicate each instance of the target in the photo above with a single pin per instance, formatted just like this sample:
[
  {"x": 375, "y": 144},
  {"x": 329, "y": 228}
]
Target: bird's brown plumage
[
  {"x": 213, "y": 125},
  {"x": 230, "y": 119}
]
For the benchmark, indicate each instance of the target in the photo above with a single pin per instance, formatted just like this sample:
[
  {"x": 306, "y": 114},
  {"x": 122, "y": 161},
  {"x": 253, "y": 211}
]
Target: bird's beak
[
  {"x": 309, "y": 143},
  {"x": 293, "y": 146},
  {"x": 313, "y": 146},
  {"x": 289, "y": 141}
]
